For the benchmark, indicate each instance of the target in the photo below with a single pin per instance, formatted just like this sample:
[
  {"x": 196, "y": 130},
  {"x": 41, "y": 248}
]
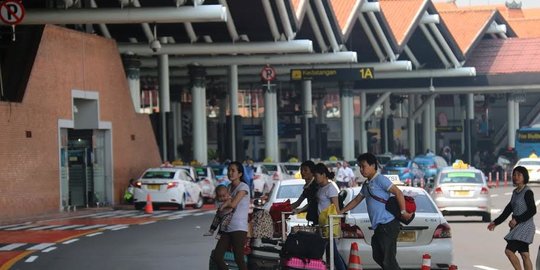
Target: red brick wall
[{"x": 29, "y": 167}]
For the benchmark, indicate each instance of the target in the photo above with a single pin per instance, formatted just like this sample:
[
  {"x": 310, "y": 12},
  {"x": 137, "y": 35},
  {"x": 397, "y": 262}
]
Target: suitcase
[
  {"x": 308, "y": 264},
  {"x": 265, "y": 254}
]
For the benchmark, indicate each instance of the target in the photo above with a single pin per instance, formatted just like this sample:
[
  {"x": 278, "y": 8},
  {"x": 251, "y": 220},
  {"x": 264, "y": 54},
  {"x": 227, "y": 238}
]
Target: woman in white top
[
  {"x": 236, "y": 232},
  {"x": 326, "y": 195}
]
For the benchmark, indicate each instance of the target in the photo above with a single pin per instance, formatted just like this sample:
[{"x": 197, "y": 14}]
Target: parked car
[
  {"x": 429, "y": 231},
  {"x": 293, "y": 169},
  {"x": 170, "y": 186},
  {"x": 430, "y": 164},
  {"x": 262, "y": 182},
  {"x": 462, "y": 190},
  {"x": 206, "y": 179},
  {"x": 284, "y": 190},
  {"x": 533, "y": 166},
  {"x": 276, "y": 170},
  {"x": 383, "y": 159},
  {"x": 220, "y": 171},
  {"x": 409, "y": 172}
]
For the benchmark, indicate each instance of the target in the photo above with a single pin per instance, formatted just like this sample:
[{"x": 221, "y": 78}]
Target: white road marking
[
  {"x": 114, "y": 226},
  {"x": 199, "y": 214},
  {"x": 12, "y": 246},
  {"x": 175, "y": 217},
  {"x": 508, "y": 193},
  {"x": 22, "y": 227},
  {"x": 40, "y": 246},
  {"x": 485, "y": 267},
  {"x": 67, "y": 227},
  {"x": 31, "y": 259},
  {"x": 13, "y": 225},
  {"x": 494, "y": 195},
  {"x": 495, "y": 211},
  {"x": 537, "y": 202},
  {"x": 120, "y": 228},
  {"x": 48, "y": 249},
  {"x": 148, "y": 222},
  {"x": 94, "y": 234},
  {"x": 164, "y": 215},
  {"x": 44, "y": 227},
  {"x": 91, "y": 227},
  {"x": 537, "y": 231},
  {"x": 70, "y": 241}
]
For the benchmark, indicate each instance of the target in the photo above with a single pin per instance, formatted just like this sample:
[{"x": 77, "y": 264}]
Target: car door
[{"x": 189, "y": 183}]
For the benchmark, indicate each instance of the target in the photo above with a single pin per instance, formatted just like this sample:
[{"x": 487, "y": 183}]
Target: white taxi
[
  {"x": 167, "y": 186},
  {"x": 532, "y": 164},
  {"x": 429, "y": 232}
]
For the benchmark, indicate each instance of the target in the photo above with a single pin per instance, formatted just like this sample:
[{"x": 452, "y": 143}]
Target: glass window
[
  {"x": 529, "y": 162},
  {"x": 271, "y": 168},
  {"x": 397, "y": 163},
  {"x": 158, "y": 174},
  {"x": 201, "y": 172},
  {"x": 461, "y": 178},
  {"x": 290, "y": 191}
]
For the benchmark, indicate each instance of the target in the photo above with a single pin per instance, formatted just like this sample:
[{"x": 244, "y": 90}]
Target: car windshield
[
  {"x": 217, "y": 170},
  {"x": 158, "y": 174},
  {"x": 383, "y": 159},
  {"x": 529, "y": 163},
  {"x": 270, "y": 167},
  {"x": 461, "y": 178},
  {"x": 397, "y": 163},
  {"x": 423, "y": 204},
  {"x": 292, "y": 167},
  {"x": 201, "y": 172},
  {"x": 290, "y": 191}
]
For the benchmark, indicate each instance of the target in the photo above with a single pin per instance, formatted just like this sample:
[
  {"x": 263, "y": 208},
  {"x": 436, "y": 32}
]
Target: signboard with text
[{"x": 333, "y": 74}]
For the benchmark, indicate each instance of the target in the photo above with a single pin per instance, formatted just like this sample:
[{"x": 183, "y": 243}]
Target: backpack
[
  {"x": 263, "y": 226},
  {"x": 305, "y": 245}
]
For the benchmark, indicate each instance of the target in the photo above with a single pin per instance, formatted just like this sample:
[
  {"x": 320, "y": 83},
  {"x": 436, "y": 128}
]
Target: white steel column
[
  {"x": 433, "y": 127},
  {"x": 426, "y": 125},
  {"x": 198, "y": 109},
  {"x": 411, "y": 126},
  {"x": 233, "y": 88},
  {"x": 511, "y": 122},
  {"x": 307, "y": 107},
  {"x": 363, "y": 132},
  {"x": 386, "y": 114},
  {"x": 270, "y": 124},
  {"x": 347, "y": 123},
  {"x": 164, "y": 98}
]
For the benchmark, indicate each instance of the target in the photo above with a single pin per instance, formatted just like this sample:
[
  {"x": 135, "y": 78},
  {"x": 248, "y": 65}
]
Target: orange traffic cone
[
  {"x": 354, "y": 258},
  {"x": 426, "y": 262},
  {"x": 148, "y": 209}
]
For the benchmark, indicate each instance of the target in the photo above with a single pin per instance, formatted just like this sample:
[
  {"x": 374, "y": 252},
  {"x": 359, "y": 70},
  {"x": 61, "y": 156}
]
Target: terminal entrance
[{"x": 81, "y": 178}]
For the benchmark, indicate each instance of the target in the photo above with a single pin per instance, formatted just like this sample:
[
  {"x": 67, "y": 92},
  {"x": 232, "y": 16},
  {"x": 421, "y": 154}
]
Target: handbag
[{"x": 392, "y": 206}]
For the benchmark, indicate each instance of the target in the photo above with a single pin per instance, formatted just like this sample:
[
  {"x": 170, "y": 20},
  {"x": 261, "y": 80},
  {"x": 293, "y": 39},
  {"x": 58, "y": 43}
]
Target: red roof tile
[
  {"x": 401, "y": 15},
  {"x": 500, "y": 56},
  {"x": 343, "y": 10},
  {"x": 526, "y": 28},
  {"x": 466, "y": 34}
]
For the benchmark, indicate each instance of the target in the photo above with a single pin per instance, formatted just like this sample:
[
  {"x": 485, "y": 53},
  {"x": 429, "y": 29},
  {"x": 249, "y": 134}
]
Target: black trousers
[{"x": 384, "y": 243}]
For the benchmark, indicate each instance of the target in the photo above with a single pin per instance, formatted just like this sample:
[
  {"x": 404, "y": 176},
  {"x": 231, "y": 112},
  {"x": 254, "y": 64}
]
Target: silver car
[
  {"x": 533, "y": 166},
  {"x": 429, "y": 232},
  {"x": 462, "y": 191}
]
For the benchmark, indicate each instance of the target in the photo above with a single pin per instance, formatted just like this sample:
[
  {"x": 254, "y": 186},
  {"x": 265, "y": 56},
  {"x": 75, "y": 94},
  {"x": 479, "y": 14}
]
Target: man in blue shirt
[{"x": 386, "y": 226}]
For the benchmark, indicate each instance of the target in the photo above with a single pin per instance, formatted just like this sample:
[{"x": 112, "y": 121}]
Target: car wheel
[
  {"x": 200, "y": 202},
  {"x": 486, "y": 217},
  {"x": 182, "y": 204}
]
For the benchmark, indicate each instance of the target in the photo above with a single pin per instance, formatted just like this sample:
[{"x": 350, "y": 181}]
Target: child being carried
[{"x": 223, "y": 216}]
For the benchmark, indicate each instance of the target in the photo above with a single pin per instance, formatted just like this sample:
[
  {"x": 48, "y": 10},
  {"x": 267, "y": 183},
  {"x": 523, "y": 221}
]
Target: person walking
[
  {"x": 326, "y": 195},
  {"x": 522, "y": 228},
  {"x": 310, "y": 193},
  {"x": 236, "y": 233},
  {"x": 386, "y": 227}
]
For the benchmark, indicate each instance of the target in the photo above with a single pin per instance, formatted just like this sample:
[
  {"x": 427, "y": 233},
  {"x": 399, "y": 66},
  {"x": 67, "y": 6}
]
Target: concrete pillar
[
  {"x": 411, "y": 126},
  {"x": 433, "y": 127},
  {"x": 469, "y": 127},
  {"x": 363, "y": 132},
  {"x": 426, "y": 125},
  {"x": 270, "y": 128},
  {"x": 177, "y": 127},
  {"x": 197, "y": 76},
  {"x": 307, "y": 111},
  {"x": 165, "y": 100},
  {"x": 233, "y": 88},
  {"x": 347, "y": 122},
  {"x": 511, "y": 122},
  {"x": 386, "y": 136},
  {"x": 132, "y": 65},
  {"x": 516, "y": 114}
]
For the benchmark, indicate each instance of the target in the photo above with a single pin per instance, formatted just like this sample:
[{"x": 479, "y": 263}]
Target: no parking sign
[{"x": 11, "y": 12}]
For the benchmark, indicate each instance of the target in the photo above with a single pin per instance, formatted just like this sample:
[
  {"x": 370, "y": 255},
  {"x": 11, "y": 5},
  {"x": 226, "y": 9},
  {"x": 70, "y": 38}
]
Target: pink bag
[{"x": 310, "y": 264}]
